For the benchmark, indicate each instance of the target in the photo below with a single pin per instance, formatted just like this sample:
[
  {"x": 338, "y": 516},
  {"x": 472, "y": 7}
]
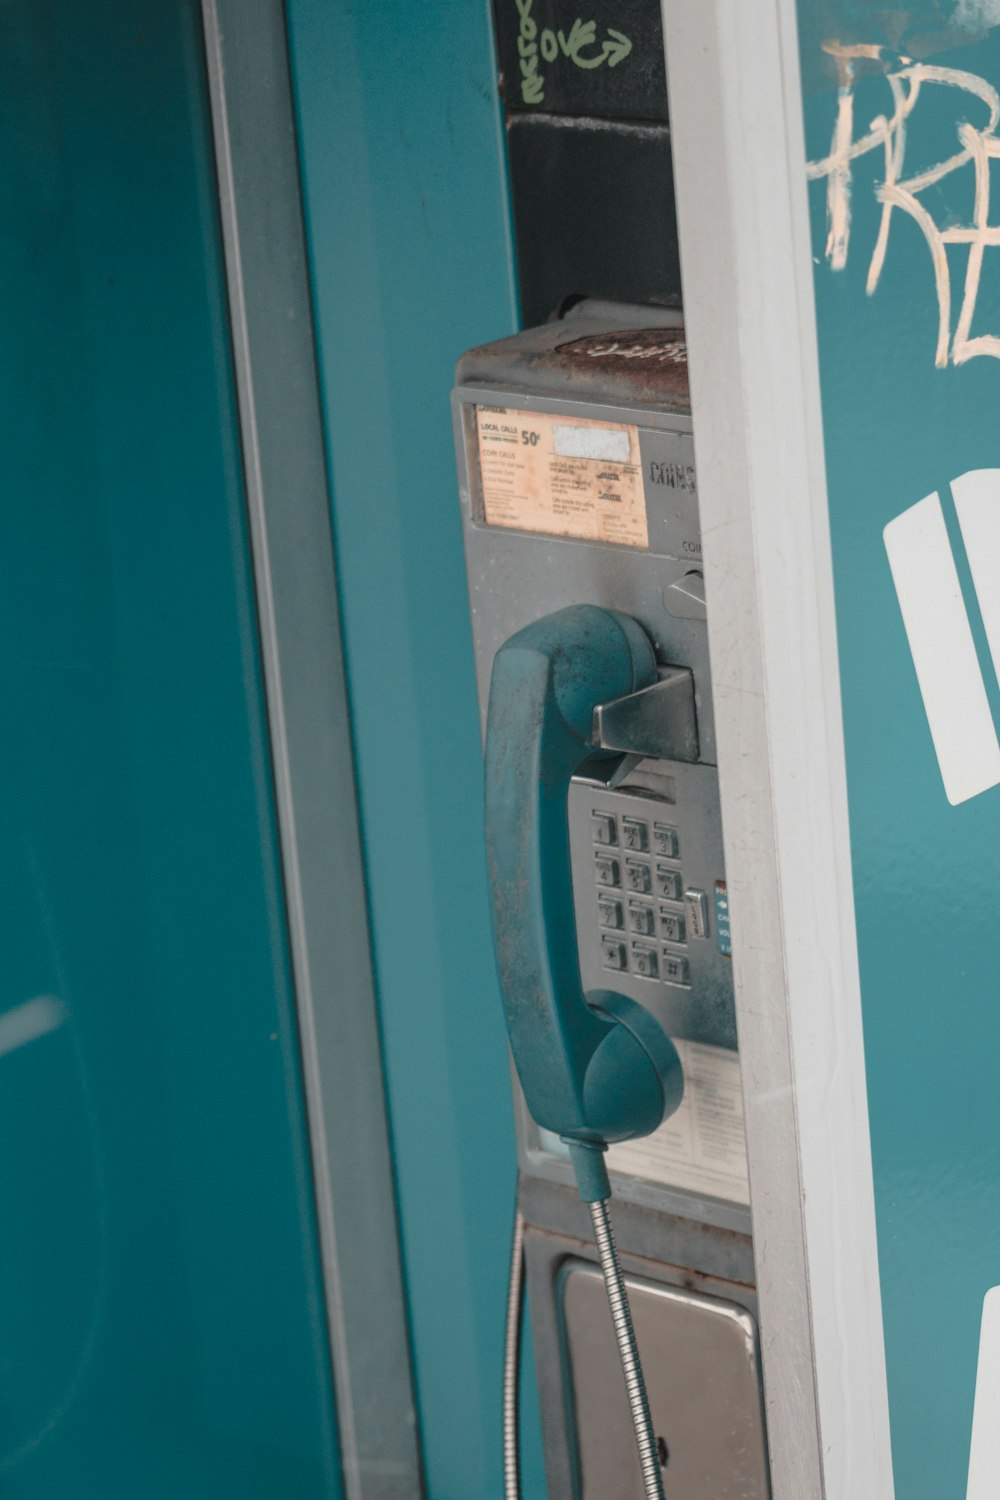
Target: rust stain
[{"x": 652, "y": 360}]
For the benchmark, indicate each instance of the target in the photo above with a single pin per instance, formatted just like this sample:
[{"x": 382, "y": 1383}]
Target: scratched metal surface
[
  {"x": 910, "y": 398},
  {"x": 633, "y": 365}
]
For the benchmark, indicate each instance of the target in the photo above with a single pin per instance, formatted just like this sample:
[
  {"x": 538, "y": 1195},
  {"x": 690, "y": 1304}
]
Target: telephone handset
[{"x": 595, "y": 1068}]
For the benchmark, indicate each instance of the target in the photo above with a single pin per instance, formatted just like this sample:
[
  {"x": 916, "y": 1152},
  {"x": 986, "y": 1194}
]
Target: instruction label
[
  {"x": 564, "y": 476},
  {"x": 702, "y": 1147}
]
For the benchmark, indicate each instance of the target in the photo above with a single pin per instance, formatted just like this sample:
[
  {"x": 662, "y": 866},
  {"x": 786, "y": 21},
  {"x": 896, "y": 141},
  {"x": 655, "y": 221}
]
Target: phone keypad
[
  {"x": 663, "y": 961},
  {"x": 650, "y": 907}
]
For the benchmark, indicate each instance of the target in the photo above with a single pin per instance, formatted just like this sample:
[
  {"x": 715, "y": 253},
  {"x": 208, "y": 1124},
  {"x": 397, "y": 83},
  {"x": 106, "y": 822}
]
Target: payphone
[{"x": 611, "y": 916}]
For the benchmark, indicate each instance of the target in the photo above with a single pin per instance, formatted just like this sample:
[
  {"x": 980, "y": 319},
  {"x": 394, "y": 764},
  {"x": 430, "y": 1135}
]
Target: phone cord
[
  {"x": 512, "y": 1364},
  {"x": 635, "y": 1385}
]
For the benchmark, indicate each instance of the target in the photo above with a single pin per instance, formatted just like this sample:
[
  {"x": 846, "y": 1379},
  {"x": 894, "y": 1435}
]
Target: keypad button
[
  {"x": 637, "y": 877},
  {"x": 609, "y": 912},
  {"x": 613, "y": 953},
  {"x": 602, "y": 827},
  {"x": 607, "y": 870},
  {"x": 640, "y": 918},
  {"x": 644, "y": 961},
  {"x": 665, "y": 840},
  {"x": 672, "y": 925},
  {"x": 668, "y": 882},
  {"x": 635, "y": 835},
  {"x": 696, "y": 907},
  {"x": 675, "y": 967}
]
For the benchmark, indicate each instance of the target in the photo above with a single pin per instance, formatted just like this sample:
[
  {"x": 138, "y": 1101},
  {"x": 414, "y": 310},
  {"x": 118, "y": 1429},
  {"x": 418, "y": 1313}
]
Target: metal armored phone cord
[
  {"x": 512, "y": 1365},
  {"x": 621, "y": 1317}
]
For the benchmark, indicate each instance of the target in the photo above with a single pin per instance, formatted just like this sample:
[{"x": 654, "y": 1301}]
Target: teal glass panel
[
  {"x": 406, "y": 208},
  {"x": 898, "y": 426},
  {"x": 161, "y": 1314}
]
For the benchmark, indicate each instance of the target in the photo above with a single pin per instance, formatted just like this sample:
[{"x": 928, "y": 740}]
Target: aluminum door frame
[{"x": 298, "y": 610}]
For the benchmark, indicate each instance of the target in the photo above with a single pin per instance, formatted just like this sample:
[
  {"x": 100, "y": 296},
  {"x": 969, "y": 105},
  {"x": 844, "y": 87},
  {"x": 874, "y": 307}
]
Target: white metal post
[{"x": 739, "y": 160}]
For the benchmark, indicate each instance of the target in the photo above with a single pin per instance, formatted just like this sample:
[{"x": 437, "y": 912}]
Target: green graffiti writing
[
  {"x": 575, "y": 45},
  {"x": 613, "y": 50},
  {"x": 532, "y": 82},
  {"x": 549, "y": 45}
]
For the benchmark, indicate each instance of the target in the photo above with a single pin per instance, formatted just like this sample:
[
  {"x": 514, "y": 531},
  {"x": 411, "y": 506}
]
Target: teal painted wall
[
  {"x": 161, "y": 1316},
  {"x": 926, "y": 874},
  {"x": 407, "y": 222}
]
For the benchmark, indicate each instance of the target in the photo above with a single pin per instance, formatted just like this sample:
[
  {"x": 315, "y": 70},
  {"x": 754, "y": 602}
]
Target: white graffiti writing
[
  {"x": 675, "y": 354},
  {"x": 887, "y": 135}
]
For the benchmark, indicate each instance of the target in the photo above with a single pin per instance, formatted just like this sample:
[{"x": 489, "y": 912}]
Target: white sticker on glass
[
  {"x": 940, "y": 636},
  {"x": 984, "y": 1459},
  {"x": 610, "y": 443}
]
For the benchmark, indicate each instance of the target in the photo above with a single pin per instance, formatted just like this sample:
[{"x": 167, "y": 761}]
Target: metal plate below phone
[{"x": 702, "y": 1366}]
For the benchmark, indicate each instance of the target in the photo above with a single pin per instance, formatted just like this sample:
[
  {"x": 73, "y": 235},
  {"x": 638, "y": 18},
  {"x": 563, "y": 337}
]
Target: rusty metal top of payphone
[{"x": 639, "y": 366}]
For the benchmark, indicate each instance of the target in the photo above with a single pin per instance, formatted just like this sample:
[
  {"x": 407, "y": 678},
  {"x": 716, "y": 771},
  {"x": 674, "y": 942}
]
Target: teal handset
[{"x": 595, "y": 1068}]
